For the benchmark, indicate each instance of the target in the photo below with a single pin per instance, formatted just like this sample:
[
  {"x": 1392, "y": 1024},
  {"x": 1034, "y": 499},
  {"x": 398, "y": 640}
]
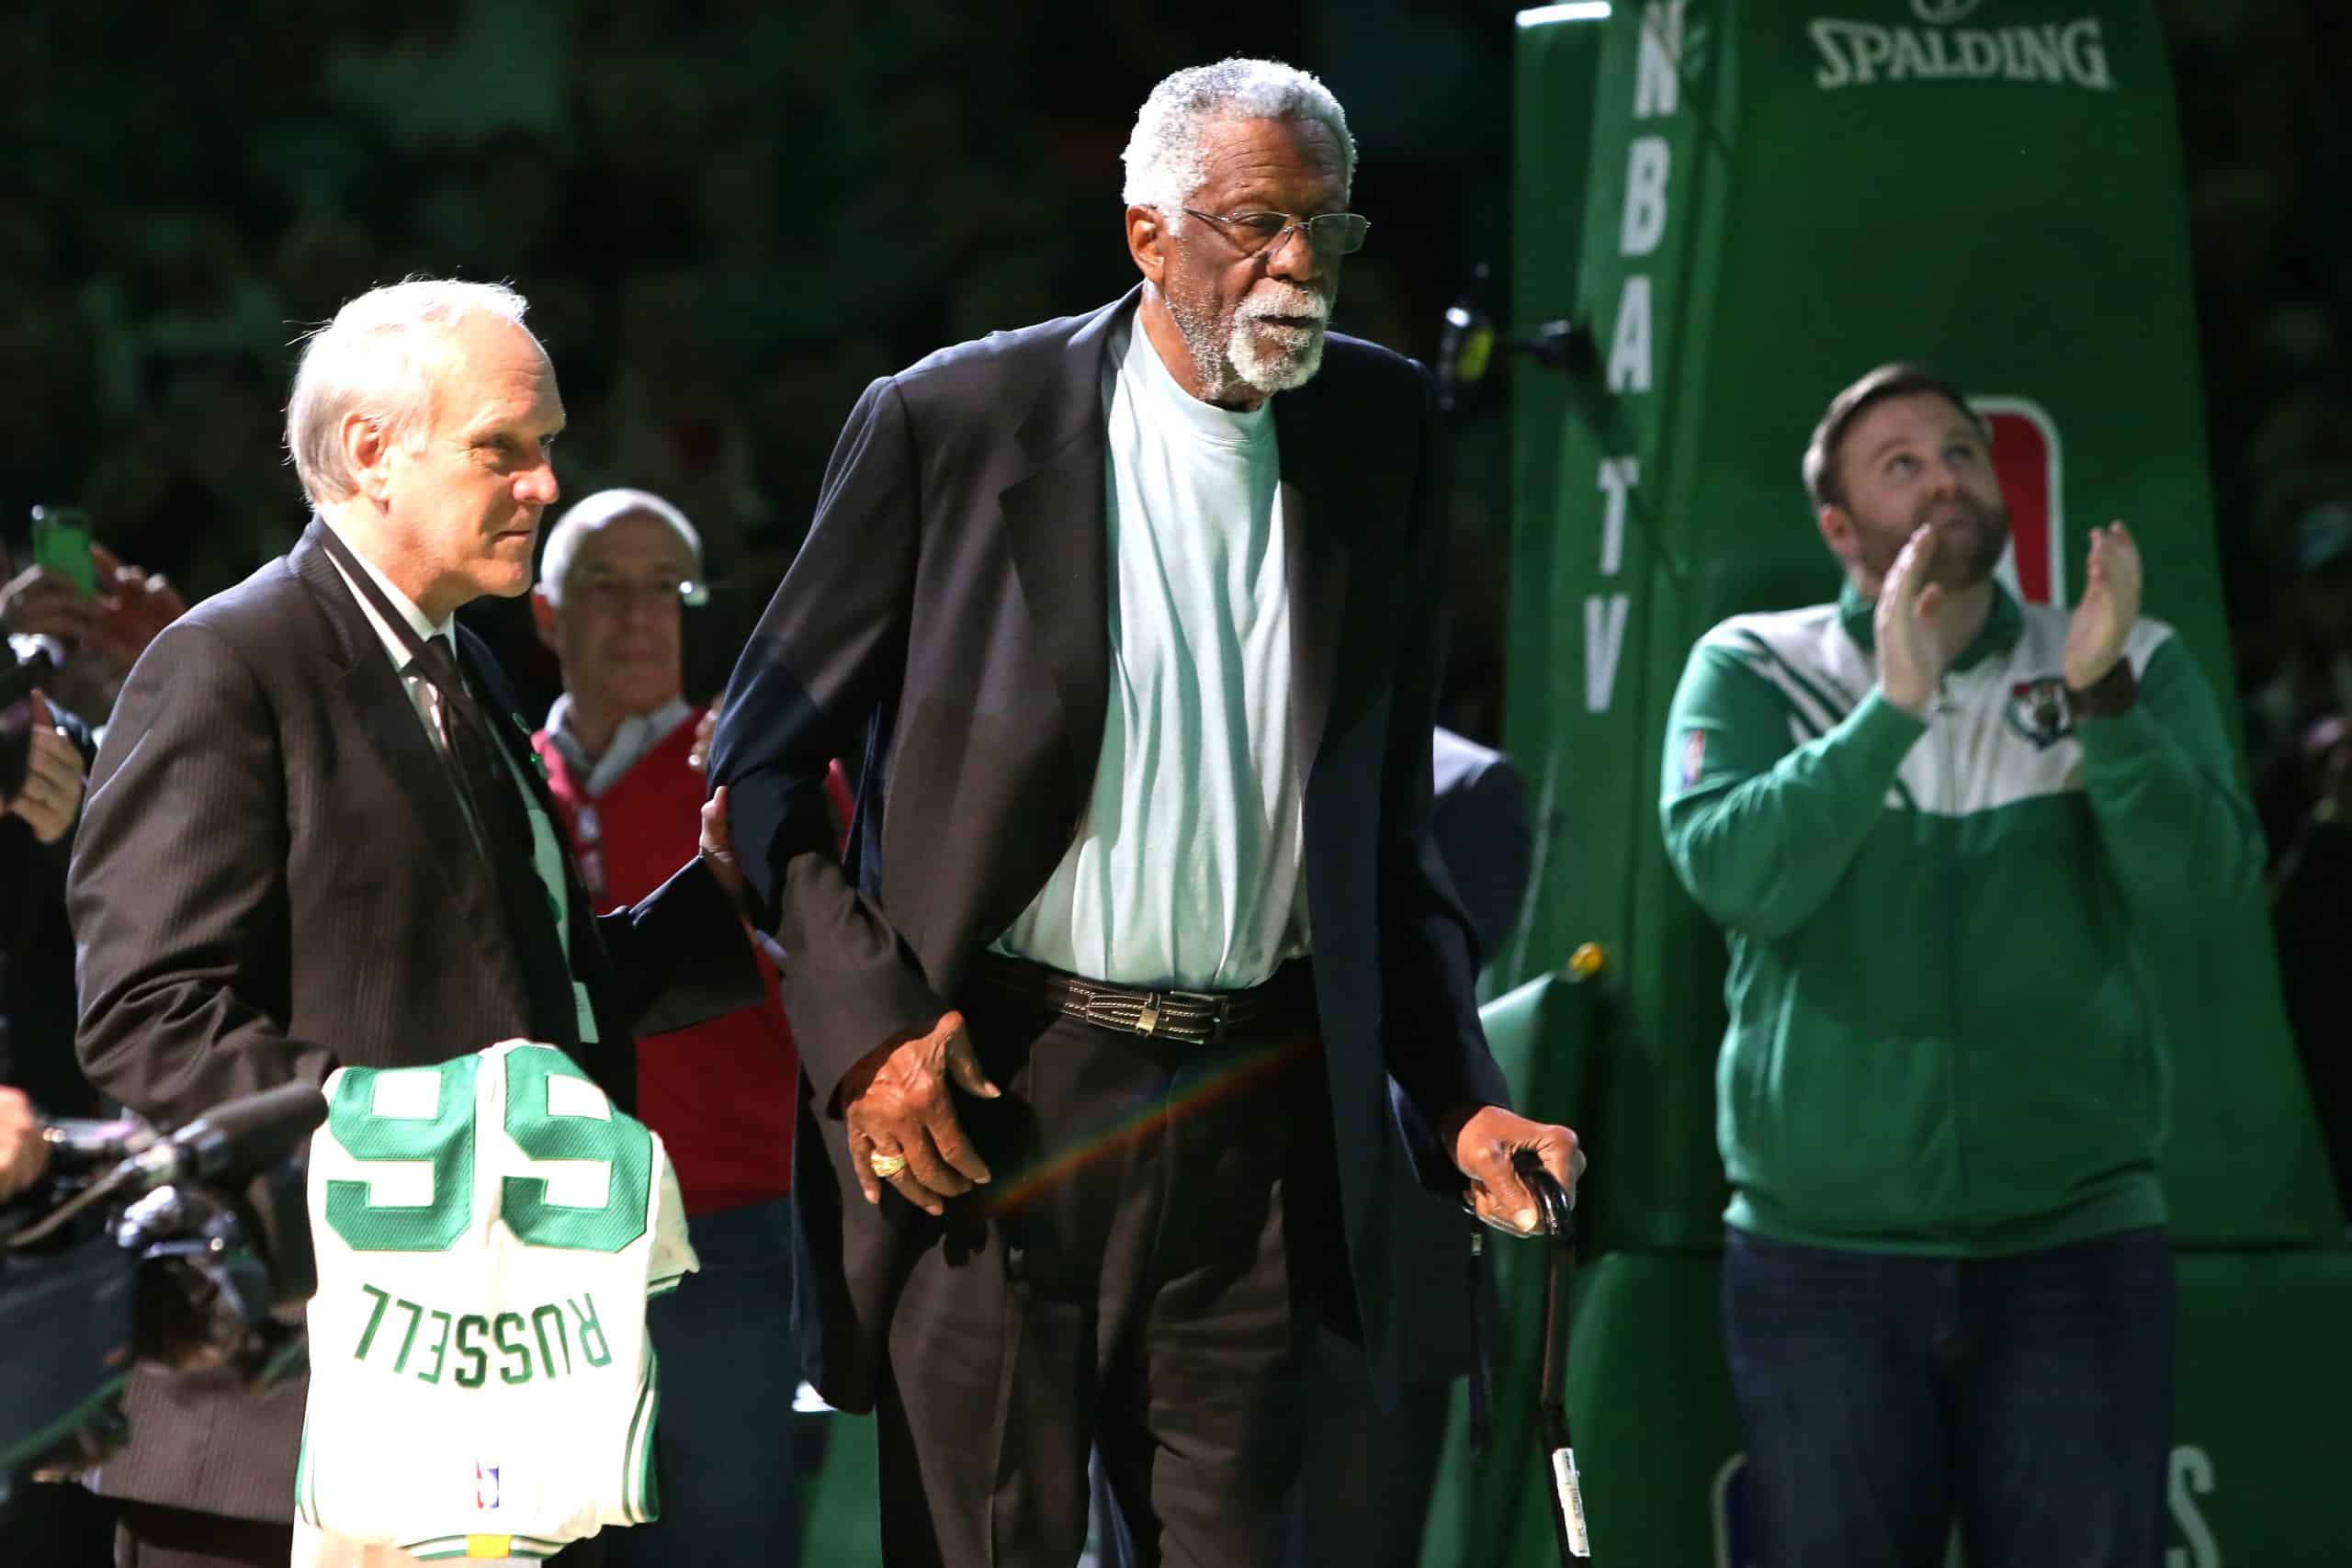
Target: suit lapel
[
  {"x": 1318, "y": 497},
  {"x": 1054, "y": 518},
  {"x": 388, "y": 719}
]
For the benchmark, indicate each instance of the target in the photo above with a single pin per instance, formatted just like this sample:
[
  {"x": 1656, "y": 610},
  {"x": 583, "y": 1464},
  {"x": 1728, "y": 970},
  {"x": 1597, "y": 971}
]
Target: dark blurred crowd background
[{"x": 729, "y": 215}]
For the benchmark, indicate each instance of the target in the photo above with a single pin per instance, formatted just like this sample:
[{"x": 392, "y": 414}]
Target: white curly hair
[{"x": 1166, "y": 159}]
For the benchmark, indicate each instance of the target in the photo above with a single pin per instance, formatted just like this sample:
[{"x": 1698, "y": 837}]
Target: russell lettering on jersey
[{"x": 511, "y": 1333}]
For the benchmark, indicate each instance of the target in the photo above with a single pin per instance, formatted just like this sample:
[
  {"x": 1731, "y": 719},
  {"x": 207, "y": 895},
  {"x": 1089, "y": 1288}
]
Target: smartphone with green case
[{"x": 61, "y": 543}]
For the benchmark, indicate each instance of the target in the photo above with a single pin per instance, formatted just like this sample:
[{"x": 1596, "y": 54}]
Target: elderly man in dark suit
[
  {"x": 1142, "y": 921},
  {"x": 315, "y": 835}
]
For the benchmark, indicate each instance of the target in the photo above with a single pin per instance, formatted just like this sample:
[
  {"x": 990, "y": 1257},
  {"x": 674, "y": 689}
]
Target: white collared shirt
[
  {"x": 547, "y": 850},
  {"x": 632, "y": 739}
]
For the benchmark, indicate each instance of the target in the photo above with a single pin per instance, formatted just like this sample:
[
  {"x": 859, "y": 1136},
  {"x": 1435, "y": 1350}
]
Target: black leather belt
[{"x": 1194, "y": 1018}]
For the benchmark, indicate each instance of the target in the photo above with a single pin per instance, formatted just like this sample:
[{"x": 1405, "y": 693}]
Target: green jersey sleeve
[
  {"x": 1761, "y": 818},
  {"x": 2177, "y": 827}
]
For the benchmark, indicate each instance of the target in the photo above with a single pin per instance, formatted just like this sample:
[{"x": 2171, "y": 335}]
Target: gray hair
[
  {"x": 591, "y": 514},
  {"x": 1165, "y": 157},
  {"x": 369, "y": 361}
]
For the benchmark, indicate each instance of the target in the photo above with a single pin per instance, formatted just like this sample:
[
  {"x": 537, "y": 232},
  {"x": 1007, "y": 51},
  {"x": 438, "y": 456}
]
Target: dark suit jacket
[
  {"x": 273, "y": 878},
  {"x": 949, "y": 609},
  {"x": 1478, "y": 816}
]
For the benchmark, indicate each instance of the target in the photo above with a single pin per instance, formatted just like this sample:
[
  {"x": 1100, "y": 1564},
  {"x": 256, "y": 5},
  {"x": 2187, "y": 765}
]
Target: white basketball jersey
[{"x": 487, "y": 1231}]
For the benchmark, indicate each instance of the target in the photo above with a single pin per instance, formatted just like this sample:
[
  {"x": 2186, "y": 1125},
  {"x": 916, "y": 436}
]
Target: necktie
[
  {"x": 482, "y": 778},
  {"x": 490, "y": 791}
]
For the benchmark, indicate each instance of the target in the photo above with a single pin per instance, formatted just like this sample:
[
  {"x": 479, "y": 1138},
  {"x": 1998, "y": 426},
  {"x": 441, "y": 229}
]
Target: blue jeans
[
  {"x": 723, "y": 1442},
  {"x": 1884, "y": 1398}
]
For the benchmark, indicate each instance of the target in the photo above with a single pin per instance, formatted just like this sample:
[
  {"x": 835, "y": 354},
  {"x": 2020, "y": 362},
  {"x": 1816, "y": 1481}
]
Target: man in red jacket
[{"x": 621, "y": 760}]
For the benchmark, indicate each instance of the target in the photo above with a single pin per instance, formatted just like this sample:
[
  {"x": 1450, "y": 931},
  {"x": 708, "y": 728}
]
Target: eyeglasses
[
  {"x": 1327, "y": 235},
  {"x": 616, "y": 595}
]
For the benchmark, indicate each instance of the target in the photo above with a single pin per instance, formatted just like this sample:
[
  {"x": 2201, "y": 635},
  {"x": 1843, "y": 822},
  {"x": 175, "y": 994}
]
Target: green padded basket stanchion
[{"x": 1751, "y": 204}]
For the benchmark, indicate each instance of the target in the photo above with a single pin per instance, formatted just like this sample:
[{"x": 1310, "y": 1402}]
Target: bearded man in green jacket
[{"x": 1933, "y": 823}]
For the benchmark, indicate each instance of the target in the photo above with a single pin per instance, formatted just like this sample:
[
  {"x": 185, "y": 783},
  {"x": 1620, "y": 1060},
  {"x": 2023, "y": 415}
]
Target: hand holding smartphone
[{"x": 62, "y": 545}]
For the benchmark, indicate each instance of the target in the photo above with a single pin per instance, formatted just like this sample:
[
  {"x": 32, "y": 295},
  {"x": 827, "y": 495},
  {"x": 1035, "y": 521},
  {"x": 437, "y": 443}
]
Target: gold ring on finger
[{"x": 886, "y": 1165}]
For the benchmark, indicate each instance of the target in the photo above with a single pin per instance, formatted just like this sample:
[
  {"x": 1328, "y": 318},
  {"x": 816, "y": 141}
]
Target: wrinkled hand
[
  {"x": 698, "y": 749},
  {"x": 1911, "y": 657},
  {"x": 1483, "y": 1141},
  {"x": 717, "y": 848},
  {"x": 37, "y": 601},
  {"x": 2111, "y": 607},
  {"x": 51, "y": 795},
  {"x": 897, "y": 1102},
  {"x": 22, "y": 1153},
  {"x": 133, "y": 605}
]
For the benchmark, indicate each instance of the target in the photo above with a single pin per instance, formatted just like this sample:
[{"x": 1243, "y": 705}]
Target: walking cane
[{"x": 1558, "y": 1227}]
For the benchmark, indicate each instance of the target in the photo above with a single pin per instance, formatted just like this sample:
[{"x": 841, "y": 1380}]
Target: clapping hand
[
  {"x": 2109, "y": 609},
  {"x": 1911, "y": 657}
]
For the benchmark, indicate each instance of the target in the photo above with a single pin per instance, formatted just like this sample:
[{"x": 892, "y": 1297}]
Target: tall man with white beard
[{"x": 1141, "y": 974}]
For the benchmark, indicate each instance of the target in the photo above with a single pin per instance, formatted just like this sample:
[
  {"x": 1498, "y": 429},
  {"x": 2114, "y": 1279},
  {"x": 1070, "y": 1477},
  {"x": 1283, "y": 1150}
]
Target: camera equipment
[{"x": 144, "y": 1247}]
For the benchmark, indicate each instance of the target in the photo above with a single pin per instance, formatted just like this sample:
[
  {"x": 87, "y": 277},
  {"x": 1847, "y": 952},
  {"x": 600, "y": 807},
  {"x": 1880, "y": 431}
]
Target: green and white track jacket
[{"x": 1944, "y": 1036}]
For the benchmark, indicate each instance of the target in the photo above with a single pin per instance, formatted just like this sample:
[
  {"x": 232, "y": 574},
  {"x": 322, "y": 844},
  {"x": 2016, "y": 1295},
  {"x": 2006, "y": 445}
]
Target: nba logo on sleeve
[
  {"x": 1694, "y": 756},
  {"x": 485, "y": 1487}
]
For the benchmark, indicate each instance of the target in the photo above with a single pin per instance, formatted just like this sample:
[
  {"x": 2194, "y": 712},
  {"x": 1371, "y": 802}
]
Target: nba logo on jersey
[{"x": 485, "y": 1487}]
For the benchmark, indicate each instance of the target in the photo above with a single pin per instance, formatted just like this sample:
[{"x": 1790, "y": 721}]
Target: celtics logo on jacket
[{"x": 1943, "y": 1026}]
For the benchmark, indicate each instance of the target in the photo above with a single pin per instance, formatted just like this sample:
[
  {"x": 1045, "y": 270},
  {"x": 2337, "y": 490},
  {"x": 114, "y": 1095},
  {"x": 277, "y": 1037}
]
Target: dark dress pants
[
  {"x": 149, "y": 1535},
  {"x": 1363, "y": 1499},
  {"x": 1143, "y": 1274}
]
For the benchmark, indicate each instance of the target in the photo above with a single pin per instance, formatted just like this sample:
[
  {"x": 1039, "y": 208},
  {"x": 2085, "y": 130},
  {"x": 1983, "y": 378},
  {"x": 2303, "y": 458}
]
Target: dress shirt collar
[
  {"x": 632, "y": 739},
  {"x": 398, "y": 600}
]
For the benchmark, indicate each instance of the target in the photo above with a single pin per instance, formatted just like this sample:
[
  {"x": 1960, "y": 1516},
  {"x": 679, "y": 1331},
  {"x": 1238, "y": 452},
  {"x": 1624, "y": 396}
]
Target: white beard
[
  {"x": 1266, "y": 358},
  {"x": 1274, "y": 359}
]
